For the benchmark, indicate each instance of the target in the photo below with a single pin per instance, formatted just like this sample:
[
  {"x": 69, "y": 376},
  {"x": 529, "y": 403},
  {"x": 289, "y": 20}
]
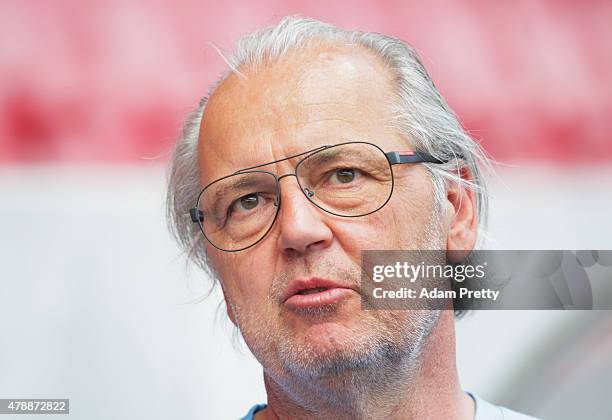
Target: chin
[
  {"x": 330, "y": 349},
  {"x": 328, "y": 338}
]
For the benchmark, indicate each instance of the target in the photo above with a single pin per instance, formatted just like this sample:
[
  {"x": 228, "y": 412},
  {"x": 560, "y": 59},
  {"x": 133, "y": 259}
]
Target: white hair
[{"x": 419, "y": 112}]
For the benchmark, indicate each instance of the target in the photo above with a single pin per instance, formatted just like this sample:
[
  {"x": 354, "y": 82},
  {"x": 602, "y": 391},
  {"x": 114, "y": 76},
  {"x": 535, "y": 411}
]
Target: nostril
[{"x": 317, "y": 245}]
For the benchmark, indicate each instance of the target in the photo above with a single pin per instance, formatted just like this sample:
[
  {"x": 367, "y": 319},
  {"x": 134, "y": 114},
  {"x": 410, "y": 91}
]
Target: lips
[{"x": 303, "y": 293}]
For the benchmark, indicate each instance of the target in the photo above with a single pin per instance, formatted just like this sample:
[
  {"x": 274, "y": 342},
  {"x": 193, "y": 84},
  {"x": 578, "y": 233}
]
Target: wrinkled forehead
[{"x": 312, "y": 97}]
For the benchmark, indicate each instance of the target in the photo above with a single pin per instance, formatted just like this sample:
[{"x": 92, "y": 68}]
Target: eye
[
  {"x": 345, "y": 175},
  {"x": 246, "y": 203}
]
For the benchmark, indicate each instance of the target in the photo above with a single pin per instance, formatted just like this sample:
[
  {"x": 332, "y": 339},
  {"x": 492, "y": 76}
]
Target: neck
[{"x": 427, "y": 387}]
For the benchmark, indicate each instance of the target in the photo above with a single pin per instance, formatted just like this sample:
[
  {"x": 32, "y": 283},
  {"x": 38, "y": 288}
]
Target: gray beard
[
  {"x": 354, "y": 375},
  {"x": 356, "y": 378},
  {"x": 375, "y": 354}
]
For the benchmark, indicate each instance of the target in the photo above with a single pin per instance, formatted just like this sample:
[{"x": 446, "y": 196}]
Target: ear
[
  {"x": 461, "y": 237},
  {"x": 228, "y": 308}
]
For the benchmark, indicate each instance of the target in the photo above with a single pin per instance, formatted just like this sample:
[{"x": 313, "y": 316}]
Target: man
[{"x": 292, "y": 167}]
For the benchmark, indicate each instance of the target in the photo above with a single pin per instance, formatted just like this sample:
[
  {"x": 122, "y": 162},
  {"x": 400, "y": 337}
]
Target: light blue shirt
[
  {"x": 484, "y": 411},
  {"x": 253, "y": 410}
]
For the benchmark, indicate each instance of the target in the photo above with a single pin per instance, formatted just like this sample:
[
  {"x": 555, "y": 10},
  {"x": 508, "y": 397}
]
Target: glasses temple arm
[
  {"x": 197, "y": 215},
  {"x": 398, "y": 158}
]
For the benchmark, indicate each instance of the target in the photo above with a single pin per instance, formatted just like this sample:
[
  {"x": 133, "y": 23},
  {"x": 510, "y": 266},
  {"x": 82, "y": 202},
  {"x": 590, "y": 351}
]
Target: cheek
[
  {"x": 242, "y": 277},
  {"x": 410, "y": 206},
  {"x": 375, "y": 231},
  {"x": 415, "y": 212},
  {"x": 398, "y": 225}
]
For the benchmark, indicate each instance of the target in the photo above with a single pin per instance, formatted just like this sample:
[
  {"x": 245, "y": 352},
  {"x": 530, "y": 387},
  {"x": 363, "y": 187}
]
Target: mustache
[{"x": 346, "y": 272}]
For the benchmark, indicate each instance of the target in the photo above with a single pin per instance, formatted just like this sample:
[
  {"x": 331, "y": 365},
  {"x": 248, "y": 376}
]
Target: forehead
[{"x": 314, "y": 96}]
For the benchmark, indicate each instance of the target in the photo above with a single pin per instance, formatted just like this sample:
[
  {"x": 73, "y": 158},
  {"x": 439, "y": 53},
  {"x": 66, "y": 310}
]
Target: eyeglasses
[{"x": 350, "y": 179}]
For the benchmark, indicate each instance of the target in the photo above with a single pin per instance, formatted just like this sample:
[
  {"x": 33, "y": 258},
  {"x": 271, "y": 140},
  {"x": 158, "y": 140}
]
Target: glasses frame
[{"x": 393, "y": 158}]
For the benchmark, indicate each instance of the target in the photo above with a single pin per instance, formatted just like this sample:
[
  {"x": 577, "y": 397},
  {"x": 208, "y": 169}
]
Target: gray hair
[{"x": 419, "y": 112}]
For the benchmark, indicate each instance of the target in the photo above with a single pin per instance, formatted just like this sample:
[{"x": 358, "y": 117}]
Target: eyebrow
[
  {"x": 325, "y": 156},
  {"x": 243, "y": 183}
]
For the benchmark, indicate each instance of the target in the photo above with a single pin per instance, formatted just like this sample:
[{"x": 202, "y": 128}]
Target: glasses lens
[
  {"x": 348, "y": 180},
  {"x": 238, "y": 210}
]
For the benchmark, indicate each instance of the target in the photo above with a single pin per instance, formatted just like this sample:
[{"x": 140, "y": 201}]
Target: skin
[{"x": 327, "y": 94}]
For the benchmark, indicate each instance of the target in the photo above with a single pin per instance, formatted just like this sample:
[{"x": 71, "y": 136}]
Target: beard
[
  {"x": 382, "y": 347},
  {"x": 340, "y": 366},
  {"x": 375, "y": 340}
]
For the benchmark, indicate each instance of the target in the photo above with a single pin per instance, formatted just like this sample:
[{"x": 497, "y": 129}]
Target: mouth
[{"x": 315, "y": 292}]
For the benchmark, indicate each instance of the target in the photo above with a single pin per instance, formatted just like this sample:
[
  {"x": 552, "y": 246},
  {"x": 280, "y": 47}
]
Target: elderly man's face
[{"x": 316, "y": 97}]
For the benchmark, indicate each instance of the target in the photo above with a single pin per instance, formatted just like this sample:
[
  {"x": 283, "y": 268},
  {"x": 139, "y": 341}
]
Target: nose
[{"x": 302, "y": 224}]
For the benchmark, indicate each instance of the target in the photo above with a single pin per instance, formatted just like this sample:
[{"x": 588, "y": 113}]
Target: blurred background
[{"x": 94, "y": 295}]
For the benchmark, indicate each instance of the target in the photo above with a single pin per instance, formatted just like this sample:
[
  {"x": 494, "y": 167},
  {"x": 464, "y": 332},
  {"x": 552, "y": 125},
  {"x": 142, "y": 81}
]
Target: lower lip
[{"x": 324, "y": 297}]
